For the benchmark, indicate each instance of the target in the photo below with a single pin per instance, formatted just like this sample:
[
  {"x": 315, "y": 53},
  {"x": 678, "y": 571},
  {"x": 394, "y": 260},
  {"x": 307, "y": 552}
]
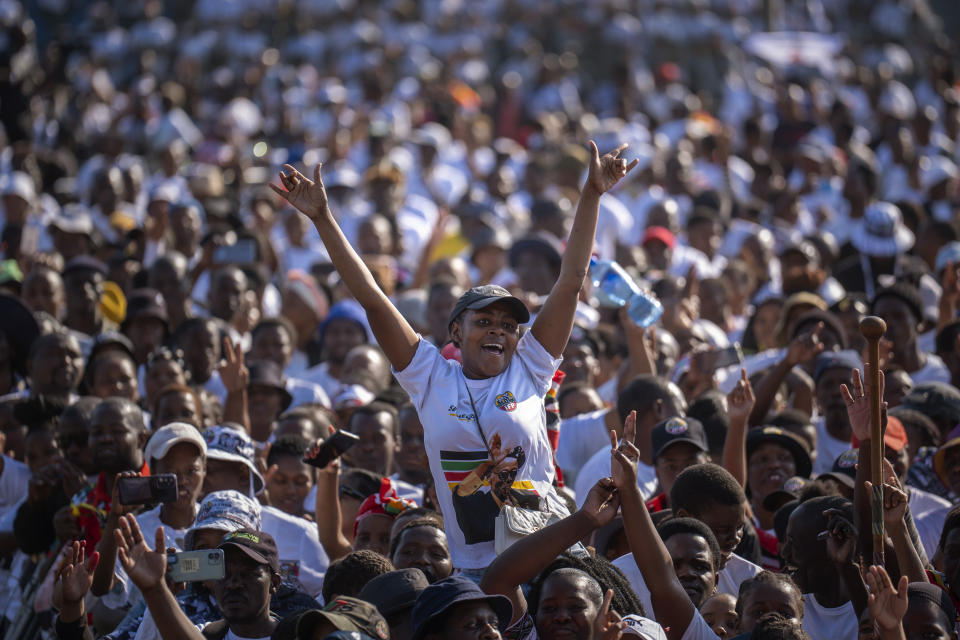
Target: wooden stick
[{"x": 872, "y": 328}]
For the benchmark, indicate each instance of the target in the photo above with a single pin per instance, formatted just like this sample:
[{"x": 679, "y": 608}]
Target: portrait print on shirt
[{"x": 482, "y": 482}]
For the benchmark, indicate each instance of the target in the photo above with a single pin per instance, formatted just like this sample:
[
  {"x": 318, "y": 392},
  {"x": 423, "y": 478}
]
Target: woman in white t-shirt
[{"x": 484, "y": 421}]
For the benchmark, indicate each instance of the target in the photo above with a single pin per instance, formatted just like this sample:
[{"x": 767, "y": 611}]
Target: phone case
[
  {"x": 194, "y": 566},
  {"x": 148, "y": 489},
  {"x": 332, "y": 448}
]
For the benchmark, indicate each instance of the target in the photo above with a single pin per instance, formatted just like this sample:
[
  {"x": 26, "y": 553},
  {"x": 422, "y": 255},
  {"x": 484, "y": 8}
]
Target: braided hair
[{"x": 605, "y": 574}]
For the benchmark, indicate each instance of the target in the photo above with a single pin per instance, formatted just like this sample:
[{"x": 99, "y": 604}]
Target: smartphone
[
  {"x": 332, "y": 448},
  {"x": 148, "y": 489},
  {"x": 728, "y": 357},
  {"x": 243, "y": 251},
  {"x": 194, "y": 566}
]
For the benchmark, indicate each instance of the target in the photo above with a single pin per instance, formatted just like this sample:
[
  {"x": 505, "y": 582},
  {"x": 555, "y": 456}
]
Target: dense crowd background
[{"x": 164, "y": 311}]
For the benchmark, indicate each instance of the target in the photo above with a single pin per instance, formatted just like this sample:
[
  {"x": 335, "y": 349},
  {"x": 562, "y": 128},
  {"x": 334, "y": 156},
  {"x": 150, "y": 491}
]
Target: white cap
[
  {"x": 352, "y": 396},
  {"x": 165, "y": 437},
  {"x": 935, "y": 170},
  {"x": 18, "y": 184},
  {"x": 642, "y": 627},
  {"x": 73, "y": 218}
]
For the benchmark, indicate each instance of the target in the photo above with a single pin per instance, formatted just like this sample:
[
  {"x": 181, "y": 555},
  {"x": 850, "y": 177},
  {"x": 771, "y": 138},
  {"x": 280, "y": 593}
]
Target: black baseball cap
[
  {"x": 256, "y": 545},
  {"x": 782, "y": 437},
  {"x": 345, "y": 613},
  {"x": 486, "y": 295},
  {"x": 443, "y": 594},
  {"x": 673, "y": 430},
  {"x": 934, "y": 400},
  {"x": 791, "y": 490},
  {"x": 844, "y": 468},
  {"x": 395, "y": 591}
]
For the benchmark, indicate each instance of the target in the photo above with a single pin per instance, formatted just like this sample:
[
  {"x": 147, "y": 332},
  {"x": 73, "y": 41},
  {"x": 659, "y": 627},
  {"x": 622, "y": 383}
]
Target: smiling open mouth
[{"x": 493, "y": 348}]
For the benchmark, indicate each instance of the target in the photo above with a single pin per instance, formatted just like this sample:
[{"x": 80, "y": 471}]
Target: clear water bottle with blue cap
[{"x": 615, "y": 288}]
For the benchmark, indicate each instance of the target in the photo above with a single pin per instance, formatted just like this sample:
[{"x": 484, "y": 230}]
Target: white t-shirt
[
  {"x": 580, "y": 437},
  {"x": 736, "y": 571},
  {"x": 511, "y": 411},
  {"x": 14, "y": 483},
  {"x": 929, "y": 512},
  {"x": 124, "y": 592},
  {"x": 320, "y": 374},
  {"x": 934, "y": 371},
  {"x": 823, "y": 623},
  {"x": 230, "y": 634},
  {"x": 598, "y": 466},
  {"x": 302, "y": 558},
  {"x": 698, "y": 629},
  {"x": 828, "y": 448}
]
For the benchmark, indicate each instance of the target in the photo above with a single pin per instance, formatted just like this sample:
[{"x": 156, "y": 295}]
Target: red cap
[
  {"x": 895, "y": 436},
  {"x": 662, "y": 234}
]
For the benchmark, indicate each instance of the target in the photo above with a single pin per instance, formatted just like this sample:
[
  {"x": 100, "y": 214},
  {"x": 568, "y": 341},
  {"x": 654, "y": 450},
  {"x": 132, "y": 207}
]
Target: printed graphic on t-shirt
[
  {"x": 481, "y": 483},
  {"x": 289, "y": 571}
]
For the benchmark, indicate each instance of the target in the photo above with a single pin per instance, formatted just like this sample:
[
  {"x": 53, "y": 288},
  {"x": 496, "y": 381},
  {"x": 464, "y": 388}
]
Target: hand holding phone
[
  {"x": 330, "y": 449},
  {"x": 148, "y": 489},
  {"x": 196, "y": 566}
]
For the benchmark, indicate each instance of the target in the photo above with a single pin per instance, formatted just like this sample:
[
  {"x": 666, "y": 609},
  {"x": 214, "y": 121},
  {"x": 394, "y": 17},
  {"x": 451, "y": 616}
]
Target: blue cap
[
  {"x": 345, "y": 310},
  {"x": 846, "y": 359},
  {"x": 443, "y": 594}
]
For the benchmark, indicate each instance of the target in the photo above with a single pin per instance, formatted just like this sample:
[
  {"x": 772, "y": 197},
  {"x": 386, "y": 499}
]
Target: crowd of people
[{"x": 310, "y": 327}]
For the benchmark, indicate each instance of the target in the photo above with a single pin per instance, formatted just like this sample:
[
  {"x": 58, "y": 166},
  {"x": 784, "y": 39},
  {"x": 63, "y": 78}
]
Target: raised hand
[
  {"x": 740, "y": 401},
  {"x": 233, "y": 372},
  {"x": 145, "y": 567},
  {"x": 624, "y": 455},
  {"x": 74, "y": 576},
  {"x": 841, "y": 537},
  {"x": 306, "y": 195},
  {"x": 857, "y": 398},
  {"x": 887, "y": 604},
  {"x": 806, "y": 346},
  {"x": 894, "y": 497},
  {"x": 607, "y": 625},
  {"x": 601, "y": 503},
  {"x": 606, "y": 171}
]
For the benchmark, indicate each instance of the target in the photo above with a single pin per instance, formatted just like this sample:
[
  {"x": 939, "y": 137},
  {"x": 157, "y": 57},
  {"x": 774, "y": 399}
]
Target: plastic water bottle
[{"x": 615, "y": 288}]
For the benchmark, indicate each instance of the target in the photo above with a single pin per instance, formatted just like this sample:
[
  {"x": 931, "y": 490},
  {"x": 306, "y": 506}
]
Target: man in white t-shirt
[
  {"x": 833, "y": 426},
  {"x": 654, "y": 399},
  {"x": 828, "y": 613},
  {"x": 230, "y": 465}
]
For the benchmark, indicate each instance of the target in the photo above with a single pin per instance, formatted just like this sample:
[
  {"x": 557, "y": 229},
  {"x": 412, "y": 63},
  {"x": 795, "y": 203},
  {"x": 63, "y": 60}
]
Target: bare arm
[
  {"x": 395, "y": 335},
  {"x": 671, "y": 606},
  {"x": 740, "y": 404},
  {"x": 555, "y": 320},
  {"x": 103, "y": 574},
  {"x": 640, "y": 355},
  {"x": 235, "y": 377},
  {"x": 803, "y": 348},
  {"x": 147, "y": 568},
  {"x": 531, "y": 555},
  {"x": 327, "y": 510}
]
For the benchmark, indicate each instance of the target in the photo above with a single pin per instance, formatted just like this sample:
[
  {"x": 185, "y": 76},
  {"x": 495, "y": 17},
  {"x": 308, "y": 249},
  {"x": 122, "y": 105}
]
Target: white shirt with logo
[{"x": 513, "y": 420}]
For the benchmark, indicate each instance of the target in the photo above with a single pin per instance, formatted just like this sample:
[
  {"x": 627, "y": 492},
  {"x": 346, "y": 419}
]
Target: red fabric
[
  {"x": 657, "y": 503},
  {"x": 92, "y": 522},
  {"x": 768, "y": 544},
  {"x": 384, "y": 503}
]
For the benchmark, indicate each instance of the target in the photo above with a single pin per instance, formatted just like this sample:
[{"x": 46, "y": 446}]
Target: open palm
[
  {"x": 145, "y": 567},
  {"x": 76, "y": 574},
  {"x": 308, "y": 196},
  {"x": 888, "y": 604}
]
